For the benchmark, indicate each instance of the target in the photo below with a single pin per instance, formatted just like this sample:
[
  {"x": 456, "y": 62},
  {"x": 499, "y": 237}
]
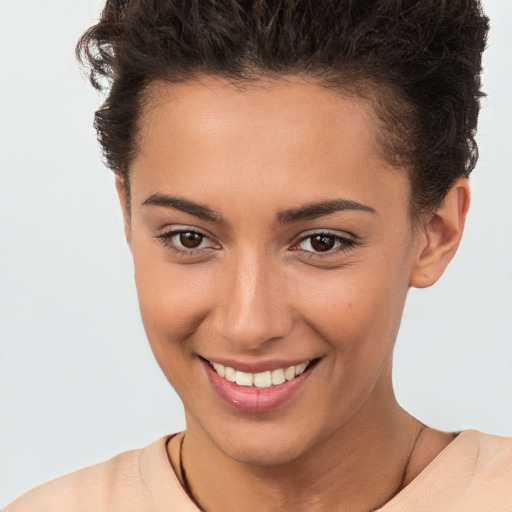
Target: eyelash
[
  {"x": 342, "y": 244},
  {"x": 167, "y": 240}
]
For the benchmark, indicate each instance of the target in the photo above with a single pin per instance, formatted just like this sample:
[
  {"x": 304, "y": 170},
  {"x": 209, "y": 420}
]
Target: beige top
[{"x": 473, "y": 473}]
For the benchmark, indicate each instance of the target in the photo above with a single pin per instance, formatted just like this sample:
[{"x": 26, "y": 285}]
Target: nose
[{"x": 254, "y": 308}]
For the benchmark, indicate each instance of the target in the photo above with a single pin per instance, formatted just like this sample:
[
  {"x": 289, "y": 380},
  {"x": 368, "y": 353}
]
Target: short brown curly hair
[{"x": 419, "y": 59}]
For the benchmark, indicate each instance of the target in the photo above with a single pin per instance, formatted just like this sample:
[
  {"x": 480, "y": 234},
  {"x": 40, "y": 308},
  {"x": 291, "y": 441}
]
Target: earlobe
[
  {"x": 125, "y": 207},
  {"x": 439, "y": 236}
]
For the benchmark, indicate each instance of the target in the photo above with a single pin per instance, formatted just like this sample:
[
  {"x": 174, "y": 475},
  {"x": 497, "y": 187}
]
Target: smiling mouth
[{"x": 262, "y": 380}]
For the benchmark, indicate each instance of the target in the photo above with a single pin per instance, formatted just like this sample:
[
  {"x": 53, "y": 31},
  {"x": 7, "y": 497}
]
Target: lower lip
[{"x": 255, "y": 400}]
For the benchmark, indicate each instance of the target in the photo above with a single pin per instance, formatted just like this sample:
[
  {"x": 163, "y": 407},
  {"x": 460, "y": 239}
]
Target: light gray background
[{"x": 78, "y": 383}]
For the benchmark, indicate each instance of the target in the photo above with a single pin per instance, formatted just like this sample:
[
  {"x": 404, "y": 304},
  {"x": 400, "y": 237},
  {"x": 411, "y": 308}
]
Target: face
[{"x": 273, "y": 247}]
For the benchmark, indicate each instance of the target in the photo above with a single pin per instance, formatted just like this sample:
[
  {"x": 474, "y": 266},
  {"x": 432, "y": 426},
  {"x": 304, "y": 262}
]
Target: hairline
[{"x": 370, "y": 90}]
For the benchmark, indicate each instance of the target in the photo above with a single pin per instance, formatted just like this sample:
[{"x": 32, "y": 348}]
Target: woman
[{"x": 286, "y": 173}]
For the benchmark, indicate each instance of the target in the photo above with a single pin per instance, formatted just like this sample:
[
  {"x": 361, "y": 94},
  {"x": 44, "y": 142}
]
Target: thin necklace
[
  {"x": 188, "y": 490},
  {"x": 186, "y": 484},
  {"x": 404, "y": 474}
]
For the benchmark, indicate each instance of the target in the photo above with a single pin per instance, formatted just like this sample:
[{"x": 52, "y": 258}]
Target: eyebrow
[
  {"x": 184, "y": 205},
  {"x": 307, "y": 212},
  {"x": 314, "y": 210}
]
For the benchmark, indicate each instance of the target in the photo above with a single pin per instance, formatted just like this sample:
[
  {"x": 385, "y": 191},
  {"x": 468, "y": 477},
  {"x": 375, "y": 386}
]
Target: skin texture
[{"x": 256, "y": 291}]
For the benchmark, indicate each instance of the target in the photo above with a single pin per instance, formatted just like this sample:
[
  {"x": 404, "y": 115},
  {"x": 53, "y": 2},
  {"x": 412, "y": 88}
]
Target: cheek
[
  {"x": 171, "y": 306},
  {"x": 358, "y": 309},
  {"x": 173, "y": 299}
]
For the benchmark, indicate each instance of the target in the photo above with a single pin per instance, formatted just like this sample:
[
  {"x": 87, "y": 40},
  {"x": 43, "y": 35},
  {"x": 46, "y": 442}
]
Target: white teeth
[
  {"x": 230, "y": 374},
  {"x": 289, "y": 373},
  {"x": 221, "y": 370},
  {"x": 243, "y": 379},
  {"x": 260, "y": 380},
  {"x": 300, "y": 368},
  {"x": 278, "y": 377}
]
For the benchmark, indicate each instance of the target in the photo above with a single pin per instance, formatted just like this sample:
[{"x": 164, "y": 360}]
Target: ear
[
  {"x": 125, "y": 207},
  {"x": 439, "y": 236}
]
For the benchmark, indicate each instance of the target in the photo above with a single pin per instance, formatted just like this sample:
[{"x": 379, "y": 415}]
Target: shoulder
[
  {"x": 114, "y": 485},
  {"x": 472, "y": 474},
  {"x": 491, "y": 458}
]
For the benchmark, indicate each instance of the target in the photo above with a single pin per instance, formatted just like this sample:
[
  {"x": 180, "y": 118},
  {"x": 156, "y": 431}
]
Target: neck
[{"x": 343, "y": 472}]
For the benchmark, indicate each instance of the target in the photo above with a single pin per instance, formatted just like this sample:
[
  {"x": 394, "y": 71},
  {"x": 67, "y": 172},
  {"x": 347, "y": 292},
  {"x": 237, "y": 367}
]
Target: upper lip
[{"x": 257, "y": 366}]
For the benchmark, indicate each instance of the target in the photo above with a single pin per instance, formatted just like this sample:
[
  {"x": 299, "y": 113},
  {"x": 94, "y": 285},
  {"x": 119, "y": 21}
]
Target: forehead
[
  {"x": 266, "y": 133},
  {"x": 287, "y": 105}
]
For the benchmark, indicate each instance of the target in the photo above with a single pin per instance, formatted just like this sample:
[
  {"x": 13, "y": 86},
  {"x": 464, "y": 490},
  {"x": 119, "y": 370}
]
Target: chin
[
  {"x": 259, "y": 454},
  {"x": 264, "y": 445}
]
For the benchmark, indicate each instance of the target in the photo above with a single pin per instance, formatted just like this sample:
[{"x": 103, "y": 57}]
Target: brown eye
[
  {"x": 325, "y": 244},
  {"x": 322, "y": 242},
  {"x": 188, "y": 242},
  {"x": 190, "y": 239}
]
